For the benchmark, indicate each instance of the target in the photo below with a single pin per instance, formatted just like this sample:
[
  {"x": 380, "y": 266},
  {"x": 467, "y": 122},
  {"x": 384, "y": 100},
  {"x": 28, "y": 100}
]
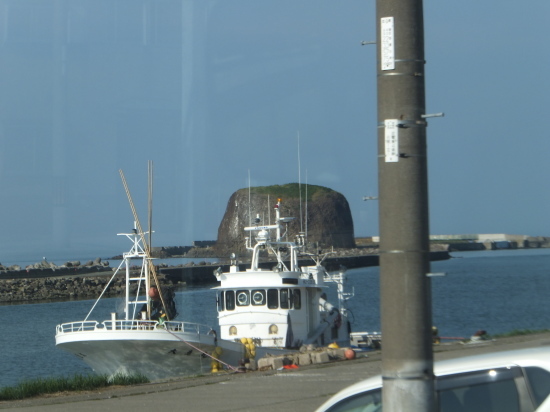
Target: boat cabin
[
  {"x": 283, "y": 309},
  {"x": 284, "y": 306}
]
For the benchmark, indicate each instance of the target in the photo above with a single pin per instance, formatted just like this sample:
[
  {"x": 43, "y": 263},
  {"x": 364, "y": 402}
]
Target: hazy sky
[{"x": 215, "y": 91}]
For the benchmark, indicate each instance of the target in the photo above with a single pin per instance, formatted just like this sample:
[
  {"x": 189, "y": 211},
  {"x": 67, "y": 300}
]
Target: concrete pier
[{"x": 302, "y": 389}]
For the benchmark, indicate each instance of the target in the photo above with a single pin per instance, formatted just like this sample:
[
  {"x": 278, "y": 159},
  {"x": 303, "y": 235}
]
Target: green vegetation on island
[
  {"x": 291, "y": 190},
  {"x": 520, "y": 332}
]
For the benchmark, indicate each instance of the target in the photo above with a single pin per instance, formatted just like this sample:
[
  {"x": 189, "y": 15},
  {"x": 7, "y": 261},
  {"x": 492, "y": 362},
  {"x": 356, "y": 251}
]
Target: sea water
[{"x": 498, "y": 291}]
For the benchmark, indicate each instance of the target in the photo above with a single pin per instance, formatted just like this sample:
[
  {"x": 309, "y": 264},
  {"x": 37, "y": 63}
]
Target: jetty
[
  {"x": 49, "y": 269},
  {"x": 204, "y": 274}
]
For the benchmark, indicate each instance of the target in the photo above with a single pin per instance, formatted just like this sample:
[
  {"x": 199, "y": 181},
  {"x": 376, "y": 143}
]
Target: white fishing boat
[
  {"x": 284, "y": 307},
  {"x": 145, "y": 339},
  {"x": 260, "y": 311}
]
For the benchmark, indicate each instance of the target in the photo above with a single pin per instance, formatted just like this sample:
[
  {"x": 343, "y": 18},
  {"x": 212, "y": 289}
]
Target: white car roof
[{"x": 522, "y": 357}]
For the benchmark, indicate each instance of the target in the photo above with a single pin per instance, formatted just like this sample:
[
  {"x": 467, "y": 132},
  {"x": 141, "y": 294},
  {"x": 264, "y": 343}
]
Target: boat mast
[
  {"x": 146, "y": 247},
  {"x": 278, "y": 220},
  {"x": 136, "y": 251}
]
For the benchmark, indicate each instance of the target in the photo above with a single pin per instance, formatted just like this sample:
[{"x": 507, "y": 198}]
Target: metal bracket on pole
[
  {"x": 405, "y": 124},
  {"x": 436, "y": 274},
  {"x": 425, "y": 116}
]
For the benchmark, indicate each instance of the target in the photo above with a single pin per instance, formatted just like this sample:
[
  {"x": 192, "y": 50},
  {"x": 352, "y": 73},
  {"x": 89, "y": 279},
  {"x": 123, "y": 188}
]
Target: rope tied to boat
[{"x": 203, "y": 352}]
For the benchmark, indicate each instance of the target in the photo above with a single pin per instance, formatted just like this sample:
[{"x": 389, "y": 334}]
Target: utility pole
[{"x": 405, "y": 290}]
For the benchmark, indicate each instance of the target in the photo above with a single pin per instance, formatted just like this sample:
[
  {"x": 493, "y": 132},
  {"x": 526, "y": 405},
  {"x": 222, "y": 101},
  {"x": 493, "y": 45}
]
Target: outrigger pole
[{"x": 146, "y": 246}]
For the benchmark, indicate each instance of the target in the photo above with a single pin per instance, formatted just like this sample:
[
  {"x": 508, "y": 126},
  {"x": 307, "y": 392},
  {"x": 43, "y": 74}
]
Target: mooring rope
[{"x": 203, "y": 352}]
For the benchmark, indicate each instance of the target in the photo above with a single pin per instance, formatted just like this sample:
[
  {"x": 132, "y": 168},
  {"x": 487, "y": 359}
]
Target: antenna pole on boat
[
  {"x": 405, "y": 289},
  {"x": 278, "y": 220},
  {"x": 300, "y": 183},
  {"x": 150, "y": 199},
  {"x": 305, "y": 238},
  {"x": 150, "y": 234},
  {"x": 249, "y": 201}
]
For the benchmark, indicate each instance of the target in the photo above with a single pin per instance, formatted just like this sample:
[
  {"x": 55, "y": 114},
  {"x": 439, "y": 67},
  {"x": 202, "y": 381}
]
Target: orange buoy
[
  {"x": 349, "y": 354},
  {"x": 154, "y": 293}
]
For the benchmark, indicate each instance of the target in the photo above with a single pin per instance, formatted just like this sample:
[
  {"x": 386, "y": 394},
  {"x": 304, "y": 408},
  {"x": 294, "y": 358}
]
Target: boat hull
[
  {"x": 159, "y": 357},
  {"x": 160, "y": 352}
]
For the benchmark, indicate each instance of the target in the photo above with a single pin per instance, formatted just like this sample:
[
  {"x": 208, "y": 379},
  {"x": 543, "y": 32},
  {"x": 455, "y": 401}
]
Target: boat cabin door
[{"x": 311, "y": 310}]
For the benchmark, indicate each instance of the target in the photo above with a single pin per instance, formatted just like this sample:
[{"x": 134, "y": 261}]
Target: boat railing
[
  {"x": 129, "y": 325},
  {"x": 83, "y": 326},
  {"x": 188, "y": 327}
]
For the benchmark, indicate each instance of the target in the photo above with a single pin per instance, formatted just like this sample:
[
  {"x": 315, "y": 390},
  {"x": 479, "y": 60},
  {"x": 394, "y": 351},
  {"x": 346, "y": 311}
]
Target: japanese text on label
[
  {"x": 387, "y": 48},
  {"x": 391, "y": 140}
]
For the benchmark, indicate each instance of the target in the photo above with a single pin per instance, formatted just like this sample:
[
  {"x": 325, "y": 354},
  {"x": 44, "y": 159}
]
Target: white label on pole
[
  {"x": 391, "y": 140},
  {"x": 387, "y": 48}
]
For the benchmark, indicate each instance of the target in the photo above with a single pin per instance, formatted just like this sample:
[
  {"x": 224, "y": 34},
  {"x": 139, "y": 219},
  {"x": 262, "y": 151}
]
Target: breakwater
[
  {"x": 87, "y": 282},
  {"x": 51, "y": 288},
  {"x": 203, "y": 275},
  {"x": 62, "y": 288},
  {"x": 45, "y": 269}
]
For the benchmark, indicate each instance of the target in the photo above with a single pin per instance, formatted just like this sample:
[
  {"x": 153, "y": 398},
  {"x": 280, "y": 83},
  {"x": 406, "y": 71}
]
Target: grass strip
[
  {"x": 41, "y": 386},
  {"x": 520, "y": 332}
]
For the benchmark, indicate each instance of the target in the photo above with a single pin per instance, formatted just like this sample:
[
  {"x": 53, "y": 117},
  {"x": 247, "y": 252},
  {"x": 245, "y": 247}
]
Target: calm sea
[{"x": 498, "y": 291}]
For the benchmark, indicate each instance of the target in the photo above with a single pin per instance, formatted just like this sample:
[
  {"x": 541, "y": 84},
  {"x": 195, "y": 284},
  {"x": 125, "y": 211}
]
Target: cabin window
[
  {"x": 272, "y": 298},
  {"x": 285, "y": 299},
  {"x": 230, "y": 300},
  {"x": 243, "y": 298},
  {"x": 258, "y": 297},
  {"x": 297, "y": 299},
  {"x": 221, "y": 301}
]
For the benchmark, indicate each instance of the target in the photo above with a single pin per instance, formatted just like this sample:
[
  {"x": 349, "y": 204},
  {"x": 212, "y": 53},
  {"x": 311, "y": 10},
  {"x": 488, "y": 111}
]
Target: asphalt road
[{"x": 302, "y": 389}]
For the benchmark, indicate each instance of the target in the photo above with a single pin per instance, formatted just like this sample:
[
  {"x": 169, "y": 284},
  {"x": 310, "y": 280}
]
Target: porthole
[
  {"x": 273, "y": 329},
  {"x": 258, "y": 297},
  {"x": 243, "y": 298},
  {"x": 233, "y": 330}
]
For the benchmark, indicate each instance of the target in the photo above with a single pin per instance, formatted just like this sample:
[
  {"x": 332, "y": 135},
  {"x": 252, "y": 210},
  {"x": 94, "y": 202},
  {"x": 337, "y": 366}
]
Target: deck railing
[{"x": 132, "y": 325}]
